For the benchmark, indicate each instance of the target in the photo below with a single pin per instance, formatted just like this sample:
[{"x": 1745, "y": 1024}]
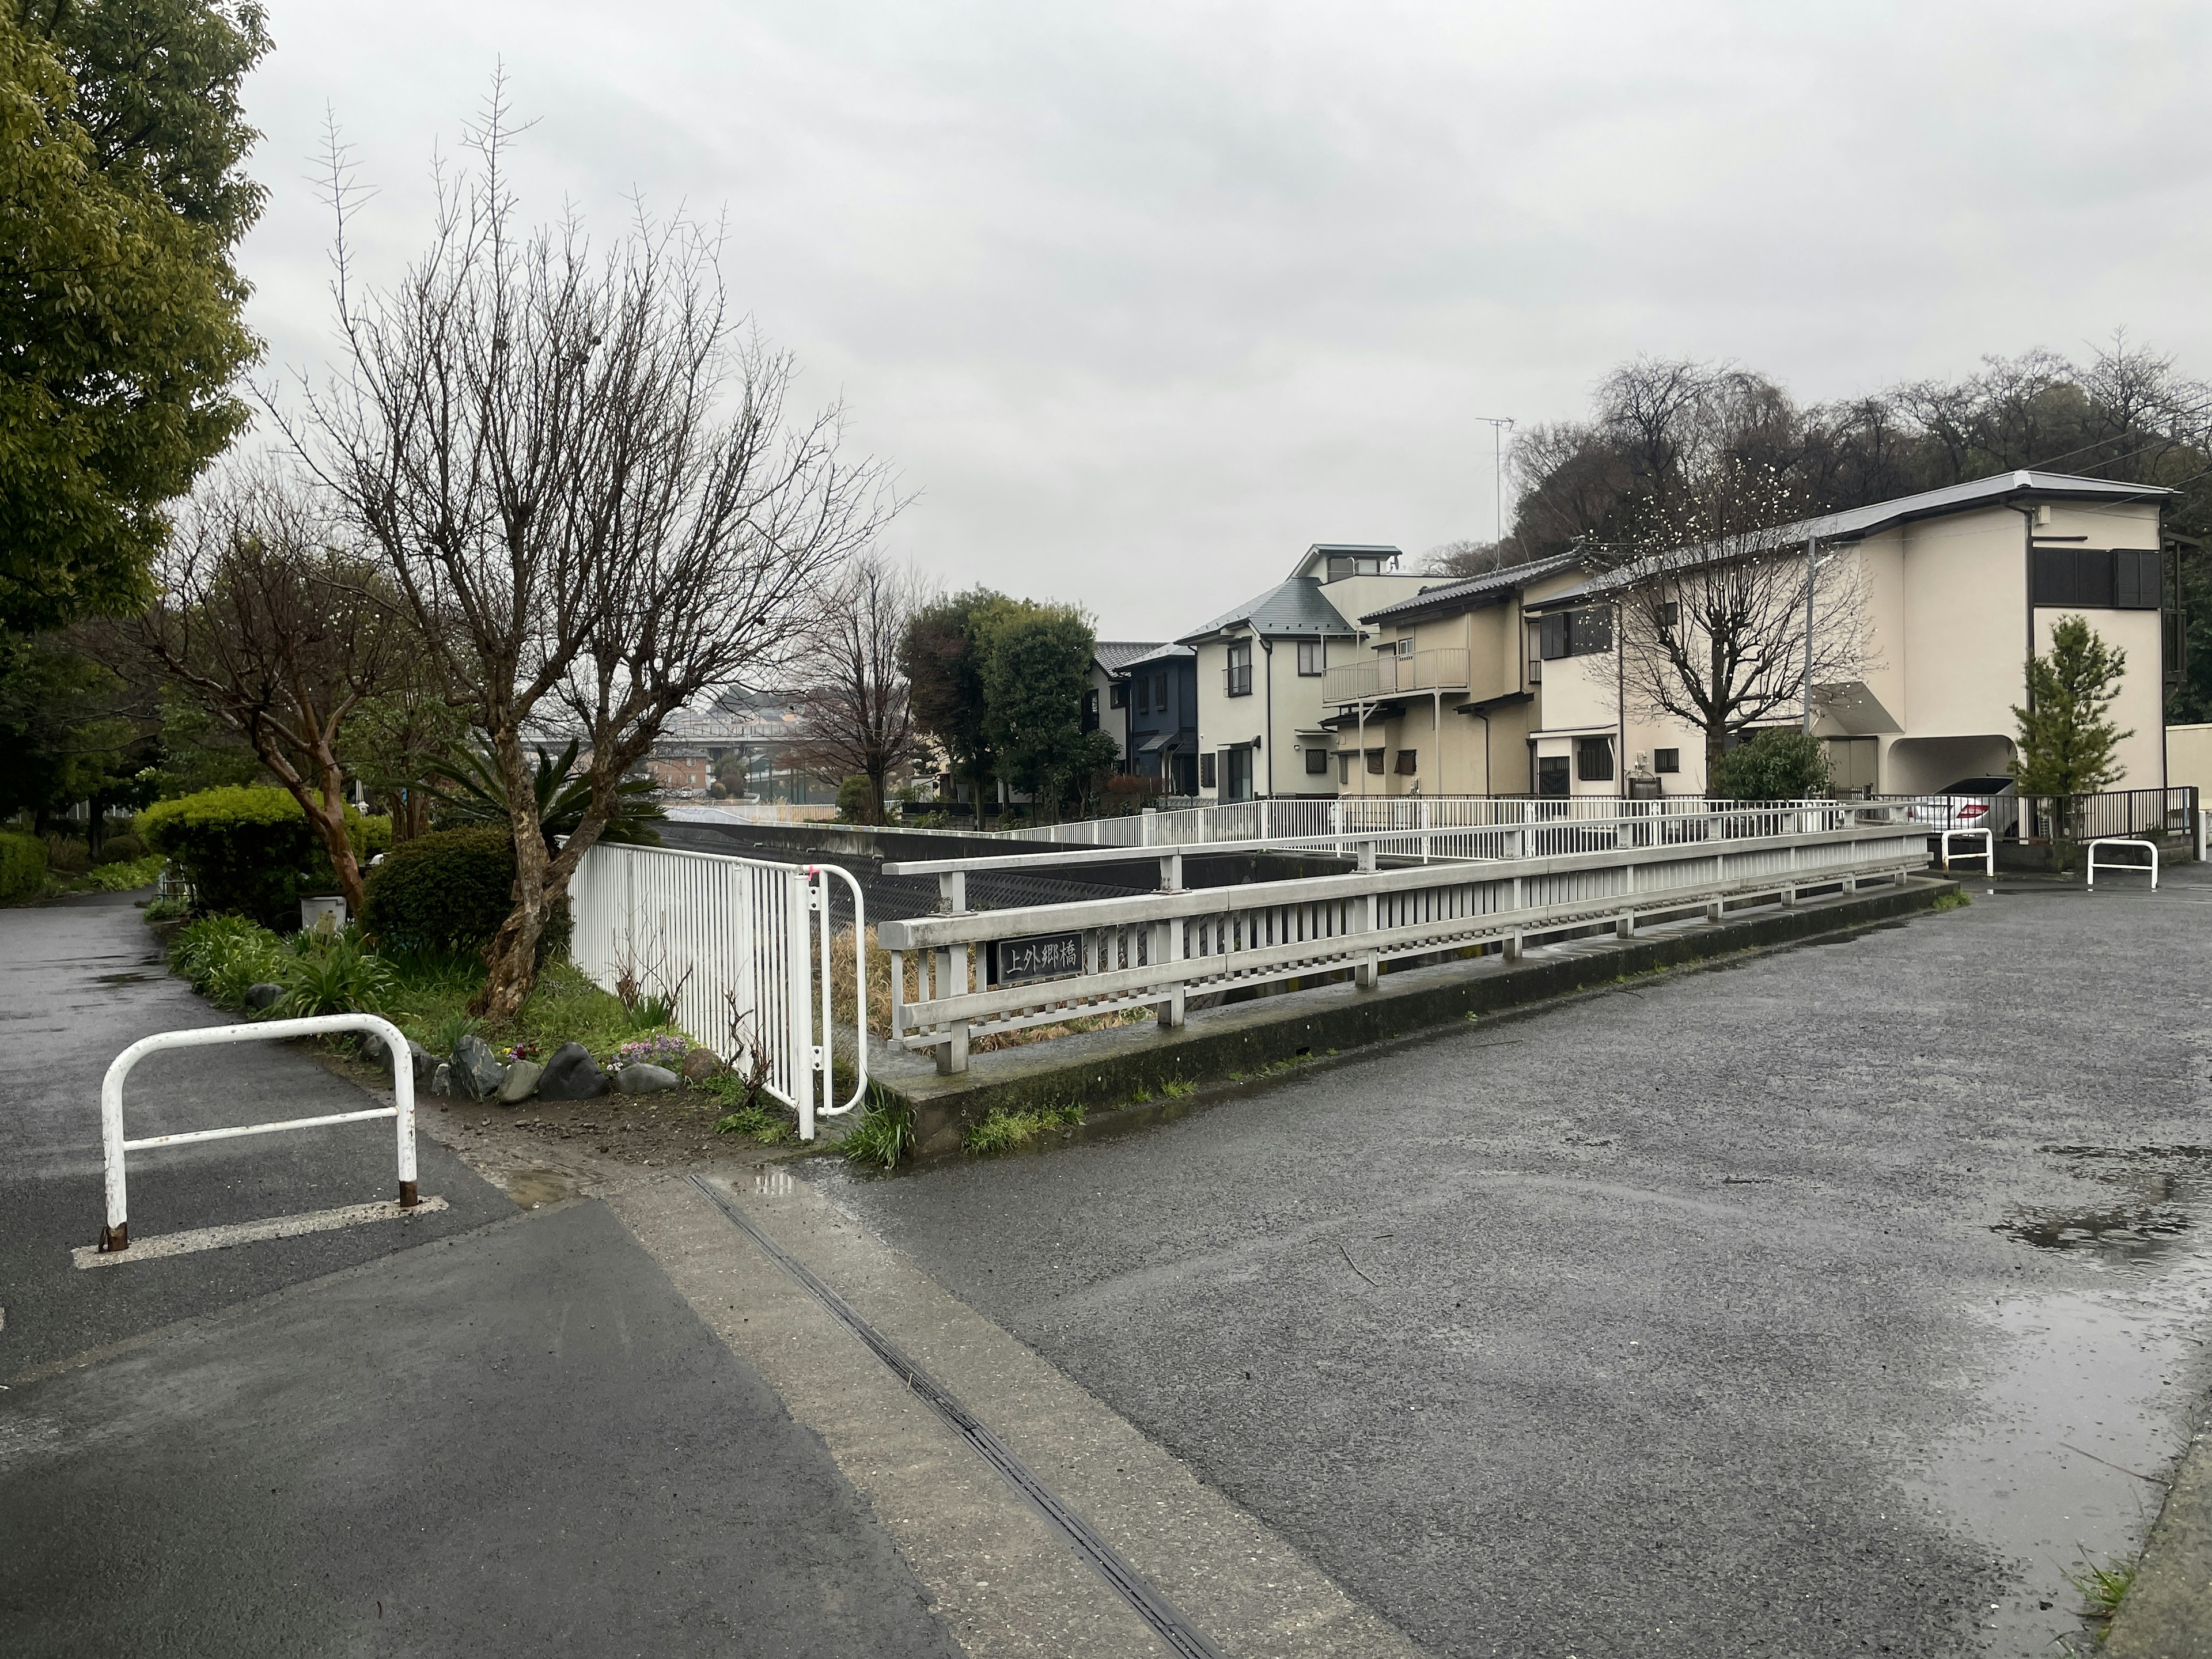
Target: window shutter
[
  {"x": 2093, "y": 577},
  {"x": 2054, "y": 575},
  {"x": 1205, "y": 772},
  {"x": 1553, "y": 636}
]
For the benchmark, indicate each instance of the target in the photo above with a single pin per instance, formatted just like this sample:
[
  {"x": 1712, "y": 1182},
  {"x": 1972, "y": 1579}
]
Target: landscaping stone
[
  {"x": 476, "y": 1071},
  {"x": 571, "y": 1074},
  {"x": 700, "y": 1065},
  {"x": 441, "y": 1080},
  {"x": 263, "y": 995},
  {"x": 644, "y": 1079},
  {"x": 425, "y": 1062},
  {"x": 521, "y": 1081}
]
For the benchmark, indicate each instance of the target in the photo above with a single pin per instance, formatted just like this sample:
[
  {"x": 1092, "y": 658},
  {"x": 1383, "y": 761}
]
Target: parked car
[{"x": 1972, "y": 803}]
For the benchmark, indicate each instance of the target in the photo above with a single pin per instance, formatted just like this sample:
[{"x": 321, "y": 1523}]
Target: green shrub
[
  {"x": 250, "y": 851},
  {"x": 67, "y": 855},
  {"x": 246, "y": 851},
  {"x": 450, "y": 891},
  {"x": 127, "y": 877},
  {"x": 224, "y": 956},
  {"x": 855, "y": 800},
  {"x": 332, "y": 974},
  {"x": 22, "y": 866},
  {"x": 1780, "y": 763},
  {"x": 119, "y": 850}
]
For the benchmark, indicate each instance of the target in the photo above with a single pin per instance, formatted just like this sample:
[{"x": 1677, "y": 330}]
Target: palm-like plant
[{"x": 473, "y": 792}]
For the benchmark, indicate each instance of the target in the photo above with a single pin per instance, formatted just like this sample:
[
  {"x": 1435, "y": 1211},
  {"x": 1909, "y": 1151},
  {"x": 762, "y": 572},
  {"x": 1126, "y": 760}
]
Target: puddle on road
[
  {"x": 120, "y": 979},
  {"x": 532, "y": 1188},
  {"x": 2088, "y": 1402}
]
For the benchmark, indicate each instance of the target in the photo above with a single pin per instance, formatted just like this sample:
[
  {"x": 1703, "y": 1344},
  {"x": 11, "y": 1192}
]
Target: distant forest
[{"x": 2125, "y": 413}]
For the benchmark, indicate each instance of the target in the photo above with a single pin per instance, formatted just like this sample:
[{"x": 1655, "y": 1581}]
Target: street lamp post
[{"x": 1498, "y": 425}]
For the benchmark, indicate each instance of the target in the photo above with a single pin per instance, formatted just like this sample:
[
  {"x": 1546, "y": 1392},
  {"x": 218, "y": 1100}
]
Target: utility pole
[
  {"x": 1498, "y": 425},
  {"x": 1812, "y": 565}
]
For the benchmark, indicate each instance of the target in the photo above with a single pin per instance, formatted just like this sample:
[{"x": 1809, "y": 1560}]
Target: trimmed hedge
[
  {"x": 22, "y": 866},
  {"x": 251, "y": 851},
  {"x": 450, "y": 891}
]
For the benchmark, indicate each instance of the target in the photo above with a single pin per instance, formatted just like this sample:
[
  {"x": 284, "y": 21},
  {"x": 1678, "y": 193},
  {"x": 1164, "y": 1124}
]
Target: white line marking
[{"x": 249, "y": 1232}]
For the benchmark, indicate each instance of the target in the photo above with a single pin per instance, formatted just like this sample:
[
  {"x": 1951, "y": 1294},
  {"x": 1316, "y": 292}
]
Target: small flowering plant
[
  {"x": 520, "y": 1051},
  {"x": 667, "y": 1051}
]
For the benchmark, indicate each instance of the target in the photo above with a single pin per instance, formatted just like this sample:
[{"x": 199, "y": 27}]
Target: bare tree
[
  {"x": 279, "y": 632},
  {"x": 1464, "y": 558},
  {"x": 580, "y": 475},
  {"x": 857, "y": 715},
  {"x": 1713, "y": 617}
]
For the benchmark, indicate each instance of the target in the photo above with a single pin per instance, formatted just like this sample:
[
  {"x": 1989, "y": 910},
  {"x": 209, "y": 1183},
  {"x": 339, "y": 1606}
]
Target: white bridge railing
[
  {"x": 1305, "y": 819},
  {"x": 965, "y": 974}
]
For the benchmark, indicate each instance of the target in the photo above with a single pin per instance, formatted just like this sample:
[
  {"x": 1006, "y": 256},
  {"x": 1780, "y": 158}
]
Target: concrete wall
[{"x": 2189, "y": 759}]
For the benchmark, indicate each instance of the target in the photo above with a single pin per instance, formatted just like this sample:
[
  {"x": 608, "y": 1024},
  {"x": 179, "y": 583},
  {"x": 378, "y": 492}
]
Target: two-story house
[
  {"x": 1960, "y": 586},
  {"x": 1440, "y": 700},
  {"x": 1102, "y": 712},
  {"x": 1158, "y": 699},
  {"x": 1259, "y": 670}
]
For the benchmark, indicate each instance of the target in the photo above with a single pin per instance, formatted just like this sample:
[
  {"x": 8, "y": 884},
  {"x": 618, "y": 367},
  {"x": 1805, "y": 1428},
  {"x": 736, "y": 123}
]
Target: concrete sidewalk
[
  {"x": 2167, "y": 1614},
  {"x": 488, "y": 1430}
]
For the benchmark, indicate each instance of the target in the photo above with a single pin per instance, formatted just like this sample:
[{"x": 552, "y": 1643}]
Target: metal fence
[
  {"x": 2045, "y": 818},
  {"x": 1293, "y": 818},
  {"x": 727, "y": 938},
  {"x": 971, "y": 973}
]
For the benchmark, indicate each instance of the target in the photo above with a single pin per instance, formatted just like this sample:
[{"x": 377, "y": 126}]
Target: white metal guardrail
[
  {"x": 2149, "y": 847},
  {"x": 116, "y": 1233},
  {"x": 1298, "y": 818},
  {"x": 1989, "y": 853},
  {"x": 958, "y": 976},
  {"x": 728, "y": 939},
  {"x": 825, "y": 1062}
]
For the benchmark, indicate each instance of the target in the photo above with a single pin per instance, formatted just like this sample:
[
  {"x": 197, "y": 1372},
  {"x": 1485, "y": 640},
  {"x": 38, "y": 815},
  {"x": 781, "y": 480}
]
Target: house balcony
[{"x": 1443, "y": 669}]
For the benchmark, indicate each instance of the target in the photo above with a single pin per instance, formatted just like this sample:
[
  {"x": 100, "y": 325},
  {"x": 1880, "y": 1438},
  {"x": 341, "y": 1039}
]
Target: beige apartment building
[{"x": 1509, "y": 684}]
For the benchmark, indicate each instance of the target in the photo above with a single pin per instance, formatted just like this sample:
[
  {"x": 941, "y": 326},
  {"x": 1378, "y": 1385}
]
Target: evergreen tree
[{"x": 2067, "y": 743}]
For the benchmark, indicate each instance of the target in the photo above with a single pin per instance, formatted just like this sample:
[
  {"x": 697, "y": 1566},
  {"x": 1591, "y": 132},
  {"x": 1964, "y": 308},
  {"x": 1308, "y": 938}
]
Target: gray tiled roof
[
  {"x": 1113, "y": 655},
  {"x": 1157, "y": 653},
  {"x": 1296, "y": 606},
  {"x": 1452, "y": 594}
]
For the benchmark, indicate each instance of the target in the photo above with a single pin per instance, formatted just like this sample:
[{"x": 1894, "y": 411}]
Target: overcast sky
[{"x": 1143, "y": 299}]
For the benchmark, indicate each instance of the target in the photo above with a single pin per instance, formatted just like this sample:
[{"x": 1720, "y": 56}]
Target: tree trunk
[
  {"x": 1715, "y": 746},
  {"x": 511, "y": 958},
  {"x": 324, "y": 806}
]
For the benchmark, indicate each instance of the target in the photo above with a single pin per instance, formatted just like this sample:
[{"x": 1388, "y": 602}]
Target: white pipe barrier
[
  {"x": 814, "y": 874},
  {"x": 116, "y": 1235},
  {"x": 1989, "y": 853},
  {"x": 2149, "y": 846}
]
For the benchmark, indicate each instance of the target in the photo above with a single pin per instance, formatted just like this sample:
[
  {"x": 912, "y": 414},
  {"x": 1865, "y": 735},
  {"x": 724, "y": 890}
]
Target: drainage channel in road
[{"x": 2066, "y": 1466}]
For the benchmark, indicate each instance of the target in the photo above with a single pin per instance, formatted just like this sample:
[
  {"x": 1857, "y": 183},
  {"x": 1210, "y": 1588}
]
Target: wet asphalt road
[
  {"x": 482, "y": 1431},
  {"x": 1681, "y": 1320}
]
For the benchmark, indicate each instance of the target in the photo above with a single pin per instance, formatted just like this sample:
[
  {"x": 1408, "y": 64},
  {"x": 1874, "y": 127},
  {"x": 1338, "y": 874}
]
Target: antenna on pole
[{"x": 1498, "y": 425}]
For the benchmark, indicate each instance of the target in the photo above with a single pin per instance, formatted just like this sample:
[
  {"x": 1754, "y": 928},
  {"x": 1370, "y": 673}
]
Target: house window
[
  {"x": 1552, "y": 775},
  {"x": 1375, "y": 761},
  {"x": 1309, "y": 655},
  {"x": 1671, "y": 614},
  {"x": 1160, "y": 693},
  {"x": 1118, "y": 694},
  {"x": 1580, "y": 633},
  {"x": 1144, "y": 702},
  {"x": 1594, "y": 759},
  {"x": 1090, "y": 709},
  {"x": 1344, "y": 769},
  {"x": 1236, "y": 774},
  {"x": 1238, "y": 676},
  {"x": 1206, "y": 770},
  {"x": 1407, "y": 761},
  {"x": 1666, "y": 760},
  {"x": 2097, "y": 579},
  {"x": 1316, "y": 762}
]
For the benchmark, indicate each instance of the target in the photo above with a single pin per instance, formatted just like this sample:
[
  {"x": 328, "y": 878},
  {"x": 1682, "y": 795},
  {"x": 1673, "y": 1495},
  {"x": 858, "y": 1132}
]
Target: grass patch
[
  {"x": 883, "y": 1135},
  {"x": 1175, "y": 1088},
  {"x": 1005, "y": 1132},
  {"x": 1954, "y": 900},
  {"x": 2102, "y": 1589},
  {"x": 125, "y": 877},
  {"x": 759, "y": 1122}
]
